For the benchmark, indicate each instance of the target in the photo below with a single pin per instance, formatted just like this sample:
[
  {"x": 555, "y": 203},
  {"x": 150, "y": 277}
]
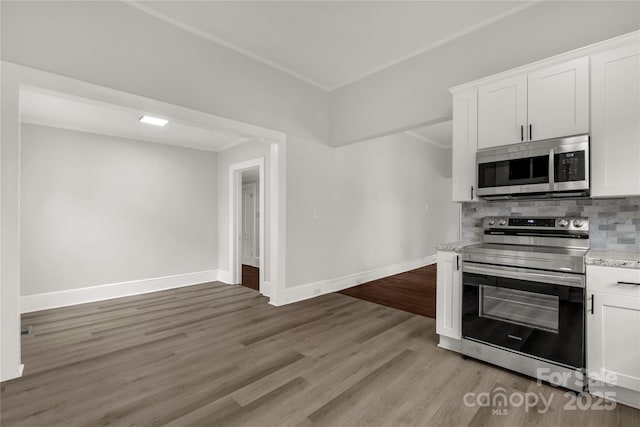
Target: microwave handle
[{"x": 552, "y": 172}]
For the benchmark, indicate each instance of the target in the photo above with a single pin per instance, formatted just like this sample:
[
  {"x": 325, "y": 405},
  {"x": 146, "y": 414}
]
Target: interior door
[
  {"x": 250, "y": 232},
  {"x": 558, "y": 103},
  {"x": 502, "y": 112}
]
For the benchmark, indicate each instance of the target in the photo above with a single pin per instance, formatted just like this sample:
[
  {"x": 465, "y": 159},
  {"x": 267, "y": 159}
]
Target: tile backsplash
[{"x": 614, "y": 223}]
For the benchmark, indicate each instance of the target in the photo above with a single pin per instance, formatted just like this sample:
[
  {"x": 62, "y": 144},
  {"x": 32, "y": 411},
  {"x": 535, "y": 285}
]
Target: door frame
[{"x": 235, "y": 222}]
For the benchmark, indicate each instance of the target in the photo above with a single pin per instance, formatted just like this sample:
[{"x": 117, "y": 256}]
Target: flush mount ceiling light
[{"x": 153, "y": 120}]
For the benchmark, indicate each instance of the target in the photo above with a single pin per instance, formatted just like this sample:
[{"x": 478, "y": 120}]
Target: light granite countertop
[
  {"x": 609, "y": 258},
  {"x": 454, "y": 246}
]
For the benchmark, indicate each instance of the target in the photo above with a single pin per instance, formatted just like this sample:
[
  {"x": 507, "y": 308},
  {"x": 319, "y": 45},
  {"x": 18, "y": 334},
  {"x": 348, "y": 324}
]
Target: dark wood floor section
[
  {"x": 413, "y": 291},
  {"x": 220, "y": 355},
  {"x": 250, "y": 277}
]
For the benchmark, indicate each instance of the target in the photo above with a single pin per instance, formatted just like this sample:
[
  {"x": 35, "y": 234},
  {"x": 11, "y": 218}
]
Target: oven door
[{"x": 534, "y": 312}]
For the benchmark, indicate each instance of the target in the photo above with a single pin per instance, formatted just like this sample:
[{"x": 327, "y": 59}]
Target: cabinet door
[
  {"x": 502, "y": 112},
  {"x": 558, "y": 100},
  {"x": 615, "y": 122},
  {"x": 613, "y": 340},
  {"x": 465, "y": 145},
  {"x": 449, "y": 295}
]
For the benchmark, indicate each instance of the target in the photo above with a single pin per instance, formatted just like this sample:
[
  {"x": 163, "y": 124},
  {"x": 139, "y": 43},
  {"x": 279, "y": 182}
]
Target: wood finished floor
[
  {"x": 251, "y": 277},
  {"x": 413, "y": 291},
  {"x": 215, "y": 354}
]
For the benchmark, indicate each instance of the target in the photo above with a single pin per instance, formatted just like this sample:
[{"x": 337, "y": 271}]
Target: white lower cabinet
[
  {"x": 449, "y": 299},
  {"x": 613, "y": 333}
]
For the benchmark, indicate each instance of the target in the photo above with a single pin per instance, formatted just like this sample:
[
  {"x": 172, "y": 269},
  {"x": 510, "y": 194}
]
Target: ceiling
[
  {"x": 439, "y": 134},
  {"x": 47, "y": 108},
  {"x": 331, "y": 43}
]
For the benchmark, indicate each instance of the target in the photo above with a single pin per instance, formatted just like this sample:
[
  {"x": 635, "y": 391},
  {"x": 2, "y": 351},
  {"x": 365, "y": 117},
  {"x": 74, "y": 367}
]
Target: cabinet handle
[
  {"x": 457, "y": 262},
  {"x": 521, "y": 132},
  {"x": 593, "y": 299},
  {"x": 472, "y": 192},
  {"x": 530, "y": 133},
  {"x": 628, "y": 283}
]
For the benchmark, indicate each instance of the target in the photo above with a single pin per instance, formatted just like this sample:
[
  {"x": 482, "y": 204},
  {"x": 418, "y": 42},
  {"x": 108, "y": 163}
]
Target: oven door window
[
  {"x": 520, "y": 307},
  {"x": 538, "y": 319}
]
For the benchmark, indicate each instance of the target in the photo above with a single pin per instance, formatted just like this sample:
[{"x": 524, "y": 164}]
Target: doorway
[
  {"x": 248, "y": 233},
  {"x": 250, "y": 229}
]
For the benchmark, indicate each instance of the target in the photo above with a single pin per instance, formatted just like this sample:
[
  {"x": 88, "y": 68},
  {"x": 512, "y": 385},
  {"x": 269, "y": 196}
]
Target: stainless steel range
[{"x": 523, "y": 303}]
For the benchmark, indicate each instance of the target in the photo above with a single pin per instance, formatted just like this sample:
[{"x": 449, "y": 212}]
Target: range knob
[
  {"x": 503, "y": 221},
  {"x": 577, "y": 223},
  {"x": 491, "y": 221},
  {"x": 563, "y": 222}
]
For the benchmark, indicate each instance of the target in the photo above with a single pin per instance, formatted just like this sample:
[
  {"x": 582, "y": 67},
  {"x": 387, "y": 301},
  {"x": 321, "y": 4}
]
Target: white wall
[
  {"x": 99, "y": 210},
  {"x": 415, "y": 91},
  {"x": 371, "y": 202},
  {"x": 114, "y": 45}
]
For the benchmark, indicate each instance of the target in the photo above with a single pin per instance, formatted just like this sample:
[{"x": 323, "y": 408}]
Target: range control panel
[{"x": 536, "y": 223}]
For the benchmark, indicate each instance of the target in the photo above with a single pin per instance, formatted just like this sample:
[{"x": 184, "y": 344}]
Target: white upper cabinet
[
  {"x": 546, "y": 103},
  {"x": 615, "y": 122},
  {"x": 594, "y": 90},
  {"x": 465, "y": 145},
  {"x": 559, "y": 100},
  {"x": 502, "y": 108}
]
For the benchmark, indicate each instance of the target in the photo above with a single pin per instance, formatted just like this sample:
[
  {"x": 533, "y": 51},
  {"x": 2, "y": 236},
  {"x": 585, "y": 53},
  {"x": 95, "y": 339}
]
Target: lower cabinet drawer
[{"x": 613, "y": 280}]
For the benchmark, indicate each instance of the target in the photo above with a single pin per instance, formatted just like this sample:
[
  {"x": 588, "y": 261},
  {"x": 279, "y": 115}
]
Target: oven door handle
[{"x": 563, "y": 279}]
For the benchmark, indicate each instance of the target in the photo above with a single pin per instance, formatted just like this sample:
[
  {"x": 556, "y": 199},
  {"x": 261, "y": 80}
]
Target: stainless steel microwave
[{"x": 540, "y": 169}]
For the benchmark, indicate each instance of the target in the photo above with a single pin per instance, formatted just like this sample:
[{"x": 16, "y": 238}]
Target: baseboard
[
  {"x": 617, "y": 394},
  {"x": 449, "y": 343},
  {"x": 224, "y": 277},
  {"x": 311, "y": 290},
  {"x": 29, "y": 303},
  {"x": 267, "y": 288}
]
